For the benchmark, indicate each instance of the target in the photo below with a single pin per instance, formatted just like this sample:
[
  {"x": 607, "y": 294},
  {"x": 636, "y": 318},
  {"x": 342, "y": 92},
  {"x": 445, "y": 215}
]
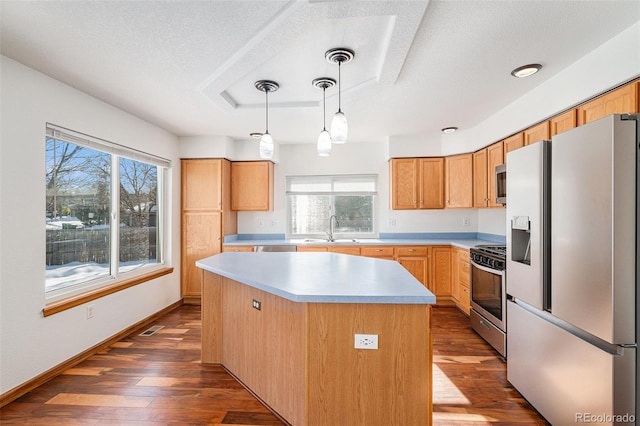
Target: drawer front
[
  {"x": 237, "y": 248},
  {"x": 411, "y": 251},
  {"x": 380, "y": 251},
  {"x": 464, "y": 272},
  {"x": 345, "y": 250},
  {"x": 464, "y": 254}
]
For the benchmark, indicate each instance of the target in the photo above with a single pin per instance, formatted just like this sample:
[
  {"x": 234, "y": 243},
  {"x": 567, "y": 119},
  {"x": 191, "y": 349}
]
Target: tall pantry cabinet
[{"x": 206, "y": 218}]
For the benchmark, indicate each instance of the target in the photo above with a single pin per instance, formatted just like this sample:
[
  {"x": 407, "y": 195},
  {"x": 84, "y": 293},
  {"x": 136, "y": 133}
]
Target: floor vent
[{"x": 153, "y": 330}]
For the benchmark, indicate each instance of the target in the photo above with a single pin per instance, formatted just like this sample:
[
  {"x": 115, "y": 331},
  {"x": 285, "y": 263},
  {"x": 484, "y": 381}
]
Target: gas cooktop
[{"x": 499, "y": 250}]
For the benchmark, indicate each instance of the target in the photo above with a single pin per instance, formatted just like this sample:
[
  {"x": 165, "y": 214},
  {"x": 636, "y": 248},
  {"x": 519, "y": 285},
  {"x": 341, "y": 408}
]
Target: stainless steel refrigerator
[{"x": 572, "y": 283}]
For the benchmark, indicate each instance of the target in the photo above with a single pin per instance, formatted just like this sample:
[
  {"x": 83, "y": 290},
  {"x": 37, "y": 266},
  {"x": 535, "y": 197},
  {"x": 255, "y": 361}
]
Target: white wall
[{"x": 29, "y": 343}]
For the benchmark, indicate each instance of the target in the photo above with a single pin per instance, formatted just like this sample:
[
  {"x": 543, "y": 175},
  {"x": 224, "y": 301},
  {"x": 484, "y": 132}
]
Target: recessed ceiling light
[
  {"x": 526, "y": 70},
  {"x": 449, "y": 129}
]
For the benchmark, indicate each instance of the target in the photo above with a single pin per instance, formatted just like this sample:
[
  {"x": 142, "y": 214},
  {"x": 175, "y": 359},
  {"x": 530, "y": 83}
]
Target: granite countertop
[
  {"x": 462, "y": 243},
  {"x": 321, "y": 277}
]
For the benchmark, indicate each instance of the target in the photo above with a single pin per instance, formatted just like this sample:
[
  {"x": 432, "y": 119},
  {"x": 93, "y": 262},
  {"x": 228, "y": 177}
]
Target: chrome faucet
[{"x": 330, "y": 233}]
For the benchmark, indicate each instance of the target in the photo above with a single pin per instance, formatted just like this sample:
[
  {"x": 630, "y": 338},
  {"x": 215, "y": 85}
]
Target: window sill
[{"x": 71, "y": 302}]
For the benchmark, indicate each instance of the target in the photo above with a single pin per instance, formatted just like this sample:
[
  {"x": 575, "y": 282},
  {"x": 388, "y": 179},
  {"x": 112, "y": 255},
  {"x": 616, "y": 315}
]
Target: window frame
[
  {"x": 116, "y": 279},
  {"x": 332, "y": 179}
]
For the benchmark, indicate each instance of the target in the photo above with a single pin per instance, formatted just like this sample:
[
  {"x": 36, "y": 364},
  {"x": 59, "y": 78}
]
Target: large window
[
  {"x": 313, "y": 200},
  {"x": 104, "y": 211}
]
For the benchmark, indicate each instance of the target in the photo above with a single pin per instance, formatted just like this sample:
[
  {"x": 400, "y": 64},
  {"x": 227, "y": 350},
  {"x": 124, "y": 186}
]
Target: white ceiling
[{"x": 190, "y": 66}]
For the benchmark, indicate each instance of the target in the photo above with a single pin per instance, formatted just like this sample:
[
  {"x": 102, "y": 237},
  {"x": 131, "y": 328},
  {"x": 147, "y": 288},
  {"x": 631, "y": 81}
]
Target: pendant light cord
[
  {"x": 266, "y": 94},
  {"x": 324, "y": 109},
  {"x": 339, "y": 87}
]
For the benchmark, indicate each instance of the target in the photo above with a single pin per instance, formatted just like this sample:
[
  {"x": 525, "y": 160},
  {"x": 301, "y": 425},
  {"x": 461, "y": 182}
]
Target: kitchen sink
[{"x": 327, "y": 241}]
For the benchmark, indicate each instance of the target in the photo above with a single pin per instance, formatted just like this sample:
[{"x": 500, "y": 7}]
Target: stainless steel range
[{"x": 488, "y": 295}]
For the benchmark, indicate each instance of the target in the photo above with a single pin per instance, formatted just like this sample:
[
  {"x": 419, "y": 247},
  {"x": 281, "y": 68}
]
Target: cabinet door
[
  {"x": 563, "y": 122},
  {"x": 441, "y": 269},
  {"x": 201, "y": 237},
  {"x": 480, "y": 176},
  {"x": 459, "y": 181},
  {"x": 431, "y": 183},
  {"x": 495, "y": 157},
  {"x": 201, "y": 180},
  {"x": 417, "y": 266},
  {"x": 513, "y": 142},
  {"x": 404, "y": 183},
  {"x": 252, "y": 186},
  {"x": 619, "y": 101},
  {"x": 537, "y": 133}
]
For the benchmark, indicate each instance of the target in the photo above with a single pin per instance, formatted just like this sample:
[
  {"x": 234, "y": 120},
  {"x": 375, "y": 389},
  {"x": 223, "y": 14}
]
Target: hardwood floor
[{"x": 154, "y": 380}]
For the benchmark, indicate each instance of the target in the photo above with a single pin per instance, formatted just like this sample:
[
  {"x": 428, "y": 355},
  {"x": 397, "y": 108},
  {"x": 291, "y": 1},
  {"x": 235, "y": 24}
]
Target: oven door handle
[{"x": 485, "y": 269}]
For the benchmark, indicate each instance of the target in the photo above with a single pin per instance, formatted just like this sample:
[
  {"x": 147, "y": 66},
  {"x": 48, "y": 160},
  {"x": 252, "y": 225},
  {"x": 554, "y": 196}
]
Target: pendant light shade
[
  {"x": 324, "y": 144},
  {"x": 324, "y": 139},
  {"x": 266, "y": 146},
  {"x": 339, "y": 126},
  {"x": 266, "y": 141}
]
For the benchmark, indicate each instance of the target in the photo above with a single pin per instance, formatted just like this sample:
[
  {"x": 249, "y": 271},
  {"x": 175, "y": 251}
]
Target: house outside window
[
  {"x": 104, "y": 212},
  {"x": 312, "y": 201}
]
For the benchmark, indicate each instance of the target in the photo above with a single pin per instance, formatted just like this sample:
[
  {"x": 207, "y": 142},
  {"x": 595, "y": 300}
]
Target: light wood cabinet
[
  {"x": 513, "y": 142},
  {"x": 460, "y": 279},
  {"x": 620, "y": 101},
  {"x": 417, "y": 183},
  {"x": 415, "y": 259},
  {"x": 313, "y": 248},
  {"x": 252, "y": 186},
  {"x": 237, "y": 249},
  {"x": 381, "y": 252},
  {"x": 353, "y": 250},
  {"x": 459, "y": 181},
  {"x": 480, "y": 178},
  {"x": 562, "y": 122},
  {"x": 441, "y": 272},
  {"x": 537, "y": 133},
  {"x": 206, "y": 218},
  {"x": 484, "y": 175}
]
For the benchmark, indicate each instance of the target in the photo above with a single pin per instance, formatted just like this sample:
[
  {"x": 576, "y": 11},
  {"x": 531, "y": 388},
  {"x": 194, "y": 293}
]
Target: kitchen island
[{"x": 285, "y": 325}]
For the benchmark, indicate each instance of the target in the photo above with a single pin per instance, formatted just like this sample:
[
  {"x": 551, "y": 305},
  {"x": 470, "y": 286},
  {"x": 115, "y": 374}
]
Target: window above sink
[{"x": 331, "y": 209}]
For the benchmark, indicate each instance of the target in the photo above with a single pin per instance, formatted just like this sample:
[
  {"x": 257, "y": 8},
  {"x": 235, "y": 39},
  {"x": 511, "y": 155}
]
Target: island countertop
[{"x": 321, "y": 277}]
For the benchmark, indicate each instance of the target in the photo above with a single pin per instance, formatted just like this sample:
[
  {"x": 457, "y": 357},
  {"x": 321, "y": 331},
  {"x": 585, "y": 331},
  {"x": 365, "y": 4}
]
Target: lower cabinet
[{"x": 460, "y": 279}]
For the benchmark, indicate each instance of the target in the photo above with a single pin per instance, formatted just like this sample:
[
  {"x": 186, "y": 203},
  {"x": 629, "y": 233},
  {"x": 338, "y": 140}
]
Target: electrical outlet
[
  {"x": 392, "y": 222},
  {"x": 366, "y": 341},
  {"x": 256, "y": 304},
  {"x": 274, "y": 223},
  {"x": 466, "y": 221},
  {"x": 259, "y": 223},
  {"x": 90, "y": 311}
]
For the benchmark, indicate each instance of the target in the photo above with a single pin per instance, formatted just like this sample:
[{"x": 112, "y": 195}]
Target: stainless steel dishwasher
[{"x": 276, "y": 248}]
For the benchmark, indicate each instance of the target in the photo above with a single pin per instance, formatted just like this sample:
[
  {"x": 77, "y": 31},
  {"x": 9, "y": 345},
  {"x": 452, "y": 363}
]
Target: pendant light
[
  {"x": 339, "y": 127},
  {"x": 266, "y": 141},
  {"x": 324, "y": 140}
]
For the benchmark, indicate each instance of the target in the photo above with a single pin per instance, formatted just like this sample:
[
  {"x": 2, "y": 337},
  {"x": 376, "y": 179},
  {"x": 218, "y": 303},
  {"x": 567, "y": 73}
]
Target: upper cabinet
[
  {"x": 484, "y": 175},
  {"x": 562, "y": 122},
  {"x": 417, "y": 183},
  {"x": 459, "y": 181},
  {"x": 513, "y": 142},
  {"x": 539, "y": 132},
  {"x": 201, "y": 184},
  {"x": 480, "y": 178},
  {"x": 619, "y": 101},
  {"x": 252, "y": 186}
]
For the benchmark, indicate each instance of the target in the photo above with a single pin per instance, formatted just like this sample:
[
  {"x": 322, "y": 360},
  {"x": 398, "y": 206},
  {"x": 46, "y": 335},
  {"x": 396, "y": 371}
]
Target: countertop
[
  {"x": 321, "y": 277},
  {"x": 462, "y": 243}
]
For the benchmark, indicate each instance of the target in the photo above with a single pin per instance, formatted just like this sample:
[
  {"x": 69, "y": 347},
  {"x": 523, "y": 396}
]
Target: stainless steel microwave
[{"x": 501, "y": 184}]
